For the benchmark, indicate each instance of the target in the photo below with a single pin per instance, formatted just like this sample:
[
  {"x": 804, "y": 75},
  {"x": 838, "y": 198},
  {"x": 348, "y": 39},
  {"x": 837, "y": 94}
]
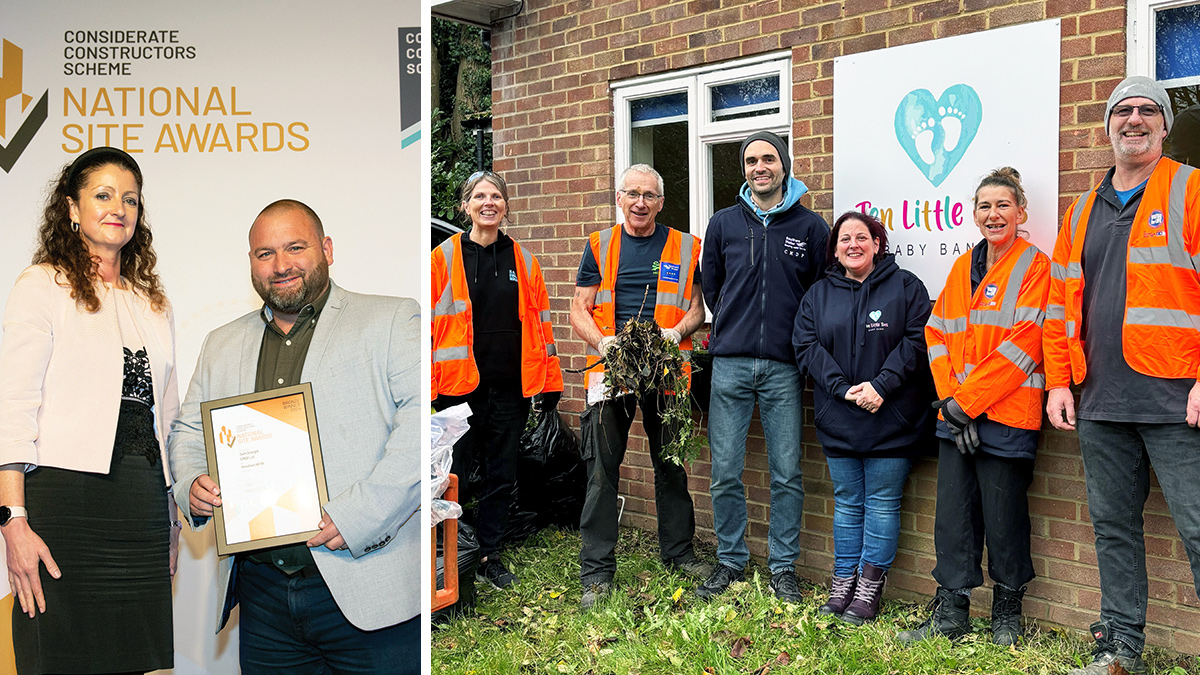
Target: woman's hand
[
  {"x": 25, "y": 551},
  {"x": 868, "y": 398}
]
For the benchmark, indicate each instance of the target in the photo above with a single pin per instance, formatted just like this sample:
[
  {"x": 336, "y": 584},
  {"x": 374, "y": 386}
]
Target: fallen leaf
[
  {"x": 554, "y": 594},
  {"x": 762, "y": 670},
  {"x": 677, "y": 594},
  {"x": 709, "y": 670},
  {"x": 500, "y": 622},
  {"x": 739, "y": 647},
  {"x": 783, "y": 659},
  {"x": 1115, "y": 668}
]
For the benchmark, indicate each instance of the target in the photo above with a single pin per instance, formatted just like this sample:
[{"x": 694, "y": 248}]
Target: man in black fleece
[{"x": 760, "y": 257}]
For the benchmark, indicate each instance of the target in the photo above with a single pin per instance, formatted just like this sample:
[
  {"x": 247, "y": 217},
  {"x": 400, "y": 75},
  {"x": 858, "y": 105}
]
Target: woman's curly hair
[{"x": 63, "y": 248}]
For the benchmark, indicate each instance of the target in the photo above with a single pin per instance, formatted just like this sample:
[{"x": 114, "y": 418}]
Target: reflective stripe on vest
[
  {"x": 448, "y": 306},
  {"x": 1174, "y": 254}
]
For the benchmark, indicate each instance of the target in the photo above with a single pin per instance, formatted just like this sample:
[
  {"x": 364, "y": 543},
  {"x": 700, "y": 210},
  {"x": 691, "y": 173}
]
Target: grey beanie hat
[
  {"x": 781, "y": 145},
  {"x": 1139, "y": 85}
]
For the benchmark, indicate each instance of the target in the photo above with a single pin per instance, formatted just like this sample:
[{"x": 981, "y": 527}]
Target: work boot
[
  {"x": 867, "y": 595},
  {"x": 1109, "y": 652},
  {"x": 692, "y": 566},
  {"x": 950, "y": 615},
  {"x": 720, "y": 579},
  {"x": 495, "y": 573},
  {"x": 593, "y": 593},
  {"x": 1006, "y": 615},
  {"x": 841, "y": 592},
  {"x": 786, "y": 587}
]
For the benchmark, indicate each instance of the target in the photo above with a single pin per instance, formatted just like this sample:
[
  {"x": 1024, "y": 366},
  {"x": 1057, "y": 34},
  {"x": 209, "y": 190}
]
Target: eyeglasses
[
  {"x": 1147, "y": 110},
  {"x": 647, "y": 197},
  {"x": 481, "y": 174}
]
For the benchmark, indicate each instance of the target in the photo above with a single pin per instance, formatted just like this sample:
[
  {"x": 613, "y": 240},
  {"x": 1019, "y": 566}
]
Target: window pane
[
  {"x": 659, "y": 110},
  {"x": 1177, "y": 42},
  {"x": 727, "y": 175},
  {"x": 665, "y": 147},
  {"x": 749, "y": 98},
  {"x": 1183, "y": 143}
]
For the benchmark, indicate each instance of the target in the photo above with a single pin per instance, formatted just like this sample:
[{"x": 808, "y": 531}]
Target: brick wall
[{"x": 553, "y": 125}]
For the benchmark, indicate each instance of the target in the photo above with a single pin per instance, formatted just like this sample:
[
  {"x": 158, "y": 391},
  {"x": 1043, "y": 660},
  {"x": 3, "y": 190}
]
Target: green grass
[{"x": 652, "y": 624}]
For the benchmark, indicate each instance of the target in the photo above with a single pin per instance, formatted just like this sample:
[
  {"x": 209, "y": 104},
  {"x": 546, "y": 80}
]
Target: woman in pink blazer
[{"x": 87, "y": 395}]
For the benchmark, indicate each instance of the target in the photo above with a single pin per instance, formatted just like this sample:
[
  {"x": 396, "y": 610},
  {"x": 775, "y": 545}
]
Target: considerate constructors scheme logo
[{"x": 15, "y": 104}]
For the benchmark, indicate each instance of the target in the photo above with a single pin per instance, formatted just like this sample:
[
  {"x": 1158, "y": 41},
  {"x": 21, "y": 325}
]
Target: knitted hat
[
  {"x": 780, "y": 145},
  {"x": 1135, "y": 86}
]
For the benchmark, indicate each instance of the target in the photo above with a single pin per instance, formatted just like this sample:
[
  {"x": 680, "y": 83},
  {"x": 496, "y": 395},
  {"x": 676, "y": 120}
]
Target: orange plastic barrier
[{"x": 448, "y": 594}]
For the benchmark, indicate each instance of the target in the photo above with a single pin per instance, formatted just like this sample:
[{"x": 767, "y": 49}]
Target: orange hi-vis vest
[
  {"x": 985, "y": 349},
  {"x": 453, "y": 369},
  {"x": 674, "y": 297},
  {"x": 1160, "y": 335}
]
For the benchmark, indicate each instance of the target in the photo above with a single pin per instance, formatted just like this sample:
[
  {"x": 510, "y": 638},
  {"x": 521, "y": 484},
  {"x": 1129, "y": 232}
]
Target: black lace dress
[{"x": 111, "y": 610}]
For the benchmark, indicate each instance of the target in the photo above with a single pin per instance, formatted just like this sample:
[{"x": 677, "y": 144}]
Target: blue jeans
[
  {"x": 736, "y": 383},
  {"x": 1116, "y": 463},
  {"x": 292, "y": 626},
  {"x": 866, "y": 510}
]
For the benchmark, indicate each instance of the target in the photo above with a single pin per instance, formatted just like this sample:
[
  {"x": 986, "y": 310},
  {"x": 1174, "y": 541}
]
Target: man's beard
[{"x": 292, "y": 301}]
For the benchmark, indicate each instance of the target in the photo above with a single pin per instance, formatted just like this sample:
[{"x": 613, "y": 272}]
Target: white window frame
[
  {"x": 1140, "y": 40},
  {"x": 702, "y": 132}
]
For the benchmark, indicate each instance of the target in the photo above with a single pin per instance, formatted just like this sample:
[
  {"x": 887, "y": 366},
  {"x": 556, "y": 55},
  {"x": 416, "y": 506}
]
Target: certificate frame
[{"x": 281, "y": 398}]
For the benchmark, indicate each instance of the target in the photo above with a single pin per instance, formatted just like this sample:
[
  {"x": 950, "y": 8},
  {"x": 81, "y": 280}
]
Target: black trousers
[
  {"x": 605, "y": 428},
  {"x": 498, "y": 415},
  {"x": 982, "y": 496}
]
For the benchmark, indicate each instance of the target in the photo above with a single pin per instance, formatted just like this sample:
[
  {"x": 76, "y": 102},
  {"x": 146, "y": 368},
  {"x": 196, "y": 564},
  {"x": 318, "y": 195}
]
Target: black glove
[
  {"x": 549, "y": 401},
  {"x": 962, "y": 426},
  {"x": 437, "y": 404}
]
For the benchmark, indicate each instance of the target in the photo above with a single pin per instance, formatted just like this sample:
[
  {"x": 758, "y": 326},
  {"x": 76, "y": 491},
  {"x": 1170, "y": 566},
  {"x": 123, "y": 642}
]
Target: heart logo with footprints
[
  {"x": 875, "y": 315},
  {"x": 936, "y": 133}
]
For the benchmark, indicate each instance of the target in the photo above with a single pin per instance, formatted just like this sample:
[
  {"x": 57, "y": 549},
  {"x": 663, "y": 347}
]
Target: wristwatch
[{"x": 7, "y": 513}]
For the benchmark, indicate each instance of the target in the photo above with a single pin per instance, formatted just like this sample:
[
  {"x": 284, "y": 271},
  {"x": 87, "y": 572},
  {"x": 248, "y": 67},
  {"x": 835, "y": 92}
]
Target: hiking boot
[
  {"x": 950, "y": 616},
  {"x": 840, "y": 594},
  {"x": 867, "y": 595},
  {"x": 718, "y": 581},
  {"x": 1006, "y": 615},
  {"x": 593, "y": 593},
  {"x": 692, "y": 566},
  {"x": 493, "y": 572},
  {"x": 785, "y": 586},
  {"x": 1109, "y": 652}
]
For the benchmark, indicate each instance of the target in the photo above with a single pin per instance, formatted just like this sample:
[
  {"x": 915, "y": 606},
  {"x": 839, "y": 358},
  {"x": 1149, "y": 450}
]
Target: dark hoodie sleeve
[
  {"x": 811, "y": 357},
  {"x": 712, "y": 264},
  {"x": 910, "y": 352}
]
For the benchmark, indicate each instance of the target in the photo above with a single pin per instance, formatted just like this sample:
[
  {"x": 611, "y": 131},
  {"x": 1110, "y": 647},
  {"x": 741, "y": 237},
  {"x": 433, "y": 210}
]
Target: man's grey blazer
[{"x": 364, "y": 366}]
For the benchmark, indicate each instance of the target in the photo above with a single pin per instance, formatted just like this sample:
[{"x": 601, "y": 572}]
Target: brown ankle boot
[
  {"x": 867, "y": 595},
  {"x": 840, "y": 594}
]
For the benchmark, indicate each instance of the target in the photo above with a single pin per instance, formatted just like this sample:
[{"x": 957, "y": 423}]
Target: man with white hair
[
  {"x": 1123, "y": 308},
  {"x": 645, "y": 270}
]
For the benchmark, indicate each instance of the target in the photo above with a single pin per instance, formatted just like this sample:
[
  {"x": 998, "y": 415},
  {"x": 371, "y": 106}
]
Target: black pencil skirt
[{"x": 111, "y": 610}]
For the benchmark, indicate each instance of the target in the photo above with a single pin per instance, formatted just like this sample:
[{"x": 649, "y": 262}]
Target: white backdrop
[
  {"x": 917, "y": 127},
  {"x": 321, "y": 81}
]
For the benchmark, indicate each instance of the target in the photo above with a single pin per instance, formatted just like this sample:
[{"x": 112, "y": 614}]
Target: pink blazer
[{"x": 61, "y": 373}]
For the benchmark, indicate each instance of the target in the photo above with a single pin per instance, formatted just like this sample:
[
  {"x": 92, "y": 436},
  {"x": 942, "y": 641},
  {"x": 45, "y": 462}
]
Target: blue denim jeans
[
  {"x": 737, "y": 382},
  {"x": 292, "y": 626},
  {"x": 866, "y": 510},
  {"x": 1117, "y": 458}
]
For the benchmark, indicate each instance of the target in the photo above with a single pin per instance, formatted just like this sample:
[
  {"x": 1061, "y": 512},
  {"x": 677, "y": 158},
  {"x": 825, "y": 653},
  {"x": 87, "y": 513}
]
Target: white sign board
[
  {"x": 916, "y": 127},
  {"x": 227, "y": 106}
]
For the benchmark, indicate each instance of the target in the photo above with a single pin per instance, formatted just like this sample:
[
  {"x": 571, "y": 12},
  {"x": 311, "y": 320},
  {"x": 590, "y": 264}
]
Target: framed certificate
[{"x": 265, "y": 455}]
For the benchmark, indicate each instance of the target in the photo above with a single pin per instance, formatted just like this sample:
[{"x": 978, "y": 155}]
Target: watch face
[{"x": 5, "y": 515}]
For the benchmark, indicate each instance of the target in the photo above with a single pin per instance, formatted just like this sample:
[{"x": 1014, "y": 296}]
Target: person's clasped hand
[
  {"x": 672, "y": 335},
  {"x": 962, "y": 426}
]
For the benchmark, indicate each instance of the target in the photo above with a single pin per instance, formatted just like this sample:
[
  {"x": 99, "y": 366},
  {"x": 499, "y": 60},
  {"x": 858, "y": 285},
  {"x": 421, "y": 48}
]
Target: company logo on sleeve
[{"x": 19, "y": 129}]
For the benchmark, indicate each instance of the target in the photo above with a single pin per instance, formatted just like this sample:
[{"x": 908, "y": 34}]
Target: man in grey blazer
[{"x": 349, "y": 599}]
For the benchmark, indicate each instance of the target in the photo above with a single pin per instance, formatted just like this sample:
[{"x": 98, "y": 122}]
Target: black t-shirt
[
  {"x": 491, "y": 273},
  {"x": 637, "y": 269},
  {"x": 1112, "y": 391}
]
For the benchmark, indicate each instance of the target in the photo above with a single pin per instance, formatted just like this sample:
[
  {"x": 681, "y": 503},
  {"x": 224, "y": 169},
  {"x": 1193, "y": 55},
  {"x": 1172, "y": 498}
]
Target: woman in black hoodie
[{"x": 860, "y": 335}]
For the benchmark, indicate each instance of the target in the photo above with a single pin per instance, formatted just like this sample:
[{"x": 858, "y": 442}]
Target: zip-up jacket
[
  {"x": 985, "y": 348},
  {"x": 849, "y": 332},
  {"x": 1161, "y": 331},
  {"x": 676, "y": 271},
  {"x": 453, "y": 368},
  {"x": 756, "y": 270}
]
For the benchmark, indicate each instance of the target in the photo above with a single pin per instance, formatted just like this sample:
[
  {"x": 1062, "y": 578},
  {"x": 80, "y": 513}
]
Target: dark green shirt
[{"x": 280, "y": 363}]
